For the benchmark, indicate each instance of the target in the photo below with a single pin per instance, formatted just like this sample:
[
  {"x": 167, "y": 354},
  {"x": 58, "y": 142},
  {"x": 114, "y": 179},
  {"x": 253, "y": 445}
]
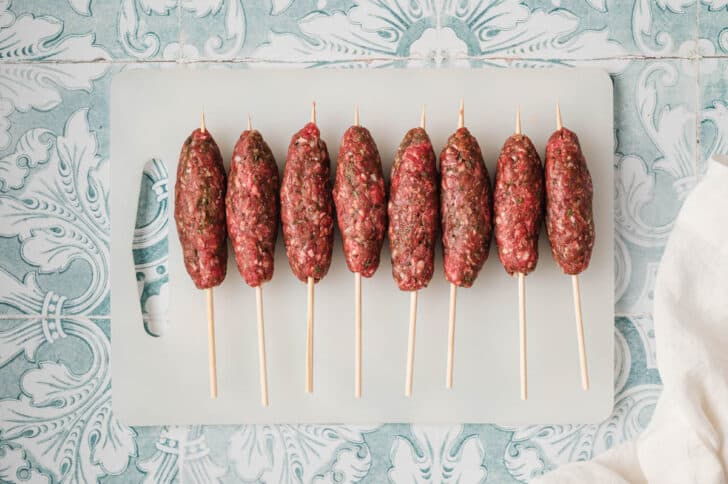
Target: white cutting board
[{"x": 165, "y": 380}]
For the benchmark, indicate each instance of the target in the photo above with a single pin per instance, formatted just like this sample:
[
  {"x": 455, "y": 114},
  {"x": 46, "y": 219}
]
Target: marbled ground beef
[
  {"x": 413, "y": 211},
  {"x": 569, "y": 193},
  {"x": 361, "y": 201},
  {"x": 199, "y": 209},
  {"x": 307, "y": 205},
  {"x": 465, "y": 207},
  {"x": 518, "y": 204},
  {"x": 252, "y": 207}
]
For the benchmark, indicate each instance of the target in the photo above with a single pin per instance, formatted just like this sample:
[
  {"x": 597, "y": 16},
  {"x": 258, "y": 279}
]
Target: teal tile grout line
[{"x": 256, "y": 60}]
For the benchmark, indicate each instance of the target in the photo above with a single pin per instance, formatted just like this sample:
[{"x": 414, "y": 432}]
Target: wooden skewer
[
  {"x": 262, "y": 367},
  {"x": 411, "y": 344},
  {"x": 559, "y": 124},
  {"x": 357, "y": 335},
  {"x": 313, "y": 112},
  {"x": 522, "y": 330},
  {"x": 577, "y": 300},
  {"x": 451, "y": 335},
  {"x": 212, "y": 358},
  {"x": 203, "y": 127},
  {"x": 357, "y": 311},
  {"x": 250, "y": 123},
  {"x": 461, "y": 113},
  {"x": 453, "y": 293},
  {"x": 580, "y": 332},
  {"x": 309, "y": 339},
  {"x": 522, "y": 306}
]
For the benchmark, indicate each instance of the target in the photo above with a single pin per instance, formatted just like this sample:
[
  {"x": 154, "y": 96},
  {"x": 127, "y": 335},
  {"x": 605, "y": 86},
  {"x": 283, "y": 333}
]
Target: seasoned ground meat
[
  {"x": 465, "y": 205},
  {"x": 360, "y": 198},
  {"x": 307, "y": 206},
  {"x": 569, "y": 192},
  {"x": 252, "y": 207},
  {"x": 413, "y": 211},
  {"x": 518, "y": 204},
  {"x": 199, "y": 209}
]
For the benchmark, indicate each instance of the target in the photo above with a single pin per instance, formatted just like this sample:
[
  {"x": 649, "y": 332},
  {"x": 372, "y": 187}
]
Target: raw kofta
[
  {"x": 307, "y": 205},
  {"x": 569, "y": 193},
  {"x": 518, "y": 204},
  {"x": 361, "y": 200},
  {"x": 252, "y": 207},
  {"x": 413, "y": 211},
  {"x": 199, "y": 209},
  {"x": 465, "y": 206}
]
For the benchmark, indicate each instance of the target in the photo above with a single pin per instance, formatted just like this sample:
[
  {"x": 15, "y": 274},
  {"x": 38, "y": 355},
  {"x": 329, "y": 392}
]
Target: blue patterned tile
[
  {"x": 714, "y": 108},
  {"x": 54, "y": 162},
  {"x": 60, "y": 427},
  {"x": 86, "y": 30},
  {"x": 438, "y": 32},
  {"x": 714, "y": 27},
  {"x": 655, "y": 169}
]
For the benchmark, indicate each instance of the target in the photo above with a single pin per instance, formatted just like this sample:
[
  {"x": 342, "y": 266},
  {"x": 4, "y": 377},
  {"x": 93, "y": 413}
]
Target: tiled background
[{"x": 669, "y": 61}]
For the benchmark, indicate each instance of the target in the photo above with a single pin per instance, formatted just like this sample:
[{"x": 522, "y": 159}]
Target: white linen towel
[{"x": 685, "y": 441}]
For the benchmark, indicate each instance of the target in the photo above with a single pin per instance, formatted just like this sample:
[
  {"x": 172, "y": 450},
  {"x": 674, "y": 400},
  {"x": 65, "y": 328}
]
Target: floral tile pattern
[{"x": 669, "y": 62}]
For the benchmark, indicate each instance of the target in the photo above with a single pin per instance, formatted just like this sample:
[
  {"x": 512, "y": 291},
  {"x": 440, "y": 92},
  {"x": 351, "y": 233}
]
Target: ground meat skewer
[
  {"x": 307, "y": 213},
  {"x": 466, "y": 218},
  {"x": 413, "y": 220},
  {"x": 361, "y": 207},
  {"x": 252, "y": 222},
  {"x": 199, "y": 213},
  {"x": 518, "y": 213},
  {"x": 569, "y": 217}
]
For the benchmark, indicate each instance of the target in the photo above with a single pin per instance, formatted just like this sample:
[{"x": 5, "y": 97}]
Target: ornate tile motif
[
  {"x": 669, "y": 61},
  {"x": 713, "y": 108}
]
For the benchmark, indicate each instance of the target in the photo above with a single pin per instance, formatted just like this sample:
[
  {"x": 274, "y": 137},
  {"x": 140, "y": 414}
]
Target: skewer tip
[
  {"x": 313, "y": 112},
  {"x": 250, "y": 123},
  {"x": 559, "y": 124},
  {"x": 423, "y": 117},
  {"x": 518, "y": 119},
  {"x": 356, "y": 115},
  {"x": 461, "y": 113},
  {"x": 203, "y": 127}
]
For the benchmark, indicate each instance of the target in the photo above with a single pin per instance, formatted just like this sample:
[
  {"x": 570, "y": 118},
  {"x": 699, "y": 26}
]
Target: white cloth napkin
[{"x": 685, "y": 441}]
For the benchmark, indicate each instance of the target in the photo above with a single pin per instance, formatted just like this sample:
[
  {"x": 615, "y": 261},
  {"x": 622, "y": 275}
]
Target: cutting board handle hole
[{"x": 149, "y": 247}]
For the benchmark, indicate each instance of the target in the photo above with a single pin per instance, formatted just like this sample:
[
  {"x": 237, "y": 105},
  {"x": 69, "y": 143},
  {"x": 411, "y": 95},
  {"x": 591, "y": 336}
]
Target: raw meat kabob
[
  {"x": 413, "y": 221},
  {"x": 518, "y": 205},
  {"x": 307, "y": 215},
  {"x": 465, "y": 208},
  {"x": 569, "y": 217},
  {"x": 252, "y": 223},
  {"x": 361, "y": 207},
  {"x": 199, "y": 213}
]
